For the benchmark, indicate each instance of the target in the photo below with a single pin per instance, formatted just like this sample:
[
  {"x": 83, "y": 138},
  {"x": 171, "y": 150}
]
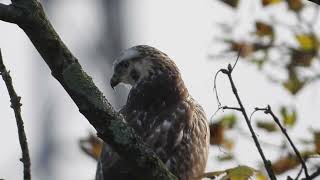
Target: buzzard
[{"x": 160, "y": 110}]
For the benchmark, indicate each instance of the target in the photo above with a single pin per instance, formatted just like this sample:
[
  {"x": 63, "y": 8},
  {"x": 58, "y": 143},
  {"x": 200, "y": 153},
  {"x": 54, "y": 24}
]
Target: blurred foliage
[
  {"x": 317, "y": 141},
  {"x": 272, "y": 44},
  {"x": 284, "y": 164},
  {"x": 299, "y": 52},
  {"x": 226, "y": 157},
  {"x": 268, "y": 126},
  {"x": 217, "y": 133},
  {"x": 289, "y": 162},
  {"x": 288, "y": 118}
]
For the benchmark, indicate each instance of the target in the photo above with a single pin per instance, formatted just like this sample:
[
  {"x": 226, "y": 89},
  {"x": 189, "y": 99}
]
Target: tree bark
[{"x": 110, "y": 125}]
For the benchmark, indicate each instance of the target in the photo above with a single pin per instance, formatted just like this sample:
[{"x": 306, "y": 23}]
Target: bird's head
[{"x": 137, "y": 63}]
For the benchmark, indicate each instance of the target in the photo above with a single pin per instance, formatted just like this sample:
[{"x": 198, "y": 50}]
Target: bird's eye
[
  {"x": 125, "y": 64},
  {"x": 135, "y": 75}
]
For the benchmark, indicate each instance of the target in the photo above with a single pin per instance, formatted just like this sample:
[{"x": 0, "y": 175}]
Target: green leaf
[
  {"x": 227, "y": 157},
  {"x": 259, "y": 62},
  {"x": 211, "y": 175},
  {"x": 293, "y": 84},
  {"x": 239, "y": 173},
  {"x": 268, "y": 126},
  {"x": 228, "y": 121},
  {"x": 232, "y": 3}
]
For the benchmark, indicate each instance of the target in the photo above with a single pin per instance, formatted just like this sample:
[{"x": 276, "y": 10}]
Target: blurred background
[{"x": 279, "y": 65}]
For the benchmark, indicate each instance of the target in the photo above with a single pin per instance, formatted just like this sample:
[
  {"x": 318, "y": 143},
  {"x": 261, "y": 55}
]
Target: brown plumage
[{"x": 162, "y": 112}]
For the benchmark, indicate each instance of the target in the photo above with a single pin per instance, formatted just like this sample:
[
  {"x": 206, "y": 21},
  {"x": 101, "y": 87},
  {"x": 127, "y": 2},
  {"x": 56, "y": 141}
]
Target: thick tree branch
[
  {"x": 109, "y": 124},
  {"x": 16, "y": 106},
  {"x": 9, "y": 13}
]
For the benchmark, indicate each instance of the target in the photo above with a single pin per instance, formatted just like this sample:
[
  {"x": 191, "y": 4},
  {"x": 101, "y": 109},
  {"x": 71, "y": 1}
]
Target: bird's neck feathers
[{"x": 157, "y": 91}]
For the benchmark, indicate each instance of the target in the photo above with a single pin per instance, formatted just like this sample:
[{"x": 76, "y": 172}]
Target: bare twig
[
  {"x": 266, "y": 162},
  {"x": 16, "y": 106},
  {"x": 299, "y": 173},
  {"x": 263, "y": 143},
  {"x": 313, "y": 175},
  {"x": 239, "y": 53},
  {"x": 214, "y": 114},
  {"x": 284, "y": 131},
  {"x": 232, "y": 108},
  {"x": 216, "y": 90},
  {"x": 255, "y": 110}
]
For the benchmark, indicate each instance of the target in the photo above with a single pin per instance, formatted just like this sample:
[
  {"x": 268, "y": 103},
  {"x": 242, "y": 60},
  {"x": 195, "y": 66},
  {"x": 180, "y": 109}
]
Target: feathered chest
[{"x": 153, "y": 101}]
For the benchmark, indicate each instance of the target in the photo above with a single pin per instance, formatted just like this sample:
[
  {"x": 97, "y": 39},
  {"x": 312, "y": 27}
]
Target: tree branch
[
  {"x": 266, "y": 162},
  {"x": 313, "y": 175},
  {"x": 284, "y": 131},
  {"x": 315, "y": 1},
  {"x": 232, "y": 108},
  {"x": 9, "y": 13},
  {"x": 16, "y": 106},
  {"x": 109, "y": 124}
]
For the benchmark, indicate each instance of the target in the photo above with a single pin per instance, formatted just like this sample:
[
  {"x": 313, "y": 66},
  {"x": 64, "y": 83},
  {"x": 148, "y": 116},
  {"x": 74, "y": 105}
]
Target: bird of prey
[{"x": 161, "y": 111}]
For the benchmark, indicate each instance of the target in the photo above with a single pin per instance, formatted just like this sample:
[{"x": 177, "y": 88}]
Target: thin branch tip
[
  {"x": 241, "y": 108},
  {"x": 16, "y": 106},
  {"x": 284, "y": 131}
]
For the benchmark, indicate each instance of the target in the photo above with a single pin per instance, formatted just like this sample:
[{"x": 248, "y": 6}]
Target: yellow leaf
[
  {"x": 211, "y": 174},
  {"x": 270, "y": 2},
  {"x": 239, "y": 173},
  {"x": 289, "y": 118},
  {"x": 261, "y": 176},
  {"x": 307, "y": 42}
]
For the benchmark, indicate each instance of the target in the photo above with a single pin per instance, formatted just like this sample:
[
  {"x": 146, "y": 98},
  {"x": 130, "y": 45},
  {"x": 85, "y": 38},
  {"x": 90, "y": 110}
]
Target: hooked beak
[{"x": 114, "y": 81}]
